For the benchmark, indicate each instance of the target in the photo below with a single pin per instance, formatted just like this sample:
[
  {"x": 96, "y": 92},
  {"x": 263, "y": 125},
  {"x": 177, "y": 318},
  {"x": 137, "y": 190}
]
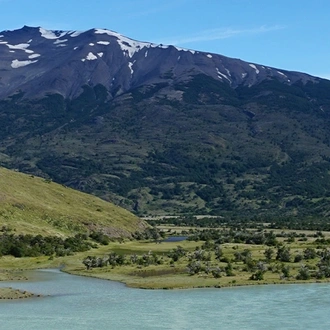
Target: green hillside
[{"x": 32, "y": 205}]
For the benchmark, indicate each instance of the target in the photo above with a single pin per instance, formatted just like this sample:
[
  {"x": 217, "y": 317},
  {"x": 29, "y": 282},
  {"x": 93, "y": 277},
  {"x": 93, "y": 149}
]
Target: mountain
[
  {"x": 38, "y": 62},
  {"x": 33, "y": 205},
  {"x": 158, "y": 129}
]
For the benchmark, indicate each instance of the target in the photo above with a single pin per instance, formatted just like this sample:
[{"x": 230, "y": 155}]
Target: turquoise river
[{"x": 73, "y": 302}]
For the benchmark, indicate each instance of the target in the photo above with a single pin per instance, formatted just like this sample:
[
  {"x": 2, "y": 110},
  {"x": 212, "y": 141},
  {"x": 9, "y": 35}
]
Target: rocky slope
[{"x": 38, "y": 61}]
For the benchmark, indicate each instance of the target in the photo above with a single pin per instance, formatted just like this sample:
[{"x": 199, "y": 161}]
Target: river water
[{"x": 84, "y": 303}]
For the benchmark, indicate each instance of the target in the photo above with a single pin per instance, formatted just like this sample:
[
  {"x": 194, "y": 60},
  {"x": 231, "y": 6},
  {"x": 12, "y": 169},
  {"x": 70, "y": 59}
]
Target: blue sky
[{"x": 286, "y": 34}]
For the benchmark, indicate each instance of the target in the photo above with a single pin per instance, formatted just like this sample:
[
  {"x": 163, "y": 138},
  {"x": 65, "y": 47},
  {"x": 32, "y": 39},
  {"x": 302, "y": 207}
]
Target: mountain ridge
[{"x": 44, "y": 58}]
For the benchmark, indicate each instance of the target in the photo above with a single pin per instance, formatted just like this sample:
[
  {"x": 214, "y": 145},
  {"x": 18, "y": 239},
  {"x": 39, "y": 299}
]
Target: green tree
[
  {"x": 303, "y": 273},
  {"x": 229, "y": 269},
  {"x": 283, "y": 254},
  {"x": 285, "y": 271},
  {"x": 269, "y": 254},
  {"x": 216, "y": 272},
  {"x": 310, "y": 253},
  {"x": 257, "y": 276}
]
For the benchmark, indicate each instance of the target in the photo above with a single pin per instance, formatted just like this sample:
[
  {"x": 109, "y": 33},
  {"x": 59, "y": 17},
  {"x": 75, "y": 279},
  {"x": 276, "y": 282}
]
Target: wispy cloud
[{"x": 221, "y": 33}]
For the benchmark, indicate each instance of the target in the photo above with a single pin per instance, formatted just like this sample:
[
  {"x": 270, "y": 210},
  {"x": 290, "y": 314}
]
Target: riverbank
[
  {"x": 150, "y": 265},
  {"x": 184, "y": 281},
  {"x": 160, "y": 266},
  {"x": 148, "y": 279}
]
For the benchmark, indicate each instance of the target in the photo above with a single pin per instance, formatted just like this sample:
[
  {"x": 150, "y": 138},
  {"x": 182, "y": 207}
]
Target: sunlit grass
[{"x": 30, "y": 204}]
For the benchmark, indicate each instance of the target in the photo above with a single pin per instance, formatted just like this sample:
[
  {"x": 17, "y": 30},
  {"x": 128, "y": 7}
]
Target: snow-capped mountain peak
[{"x": 38, "y": 61}]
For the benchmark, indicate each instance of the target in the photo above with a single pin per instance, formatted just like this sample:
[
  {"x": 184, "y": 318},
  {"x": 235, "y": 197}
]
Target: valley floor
[{"x": 166, "y": 274}]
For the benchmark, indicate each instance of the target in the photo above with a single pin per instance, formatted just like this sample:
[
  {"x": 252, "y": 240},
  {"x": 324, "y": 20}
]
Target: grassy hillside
[{"x": 33, "y": 205}]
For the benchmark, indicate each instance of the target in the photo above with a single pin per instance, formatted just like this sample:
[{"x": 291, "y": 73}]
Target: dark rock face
[{"x": 37, "y": 61}]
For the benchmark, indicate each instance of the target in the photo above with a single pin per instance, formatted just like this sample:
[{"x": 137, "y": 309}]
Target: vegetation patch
[
  {"x": 248, "y": 151},
  {"x": 10, "y": 293},
  {"x": 216, "y": 258}
]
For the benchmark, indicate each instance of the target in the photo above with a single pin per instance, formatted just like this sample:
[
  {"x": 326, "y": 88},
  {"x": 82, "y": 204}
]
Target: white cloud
[{"x": 221, "y": 33}]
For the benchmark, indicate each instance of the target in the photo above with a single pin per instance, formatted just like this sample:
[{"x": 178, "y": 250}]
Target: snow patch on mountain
[
  {"x": 100, "y": 54},
  {"x": 106, "y": 43},
  {"x": 20, "y": 47},
  {"x": 281, "y": 73},
  {"x": 90, "y": 57},
  {"x": 58, "y": 41},
  {"x": 254, "y": 67},
  {"x": 183, "y": 50},
  {"x": 209, "y": 55},
  {"x": 108, "y": 32},
  {"x": 34, "y": 55},
  {"x": 74, "y": 34},
  {"x": 130, "y": 65},
  {"x": 47, "y": 34},
  {"x": 130, "y": 46},
  {"x": 220, "y": 75},
  {"x": 127, "y": 45},
  {"x": 17, "y": 64}
]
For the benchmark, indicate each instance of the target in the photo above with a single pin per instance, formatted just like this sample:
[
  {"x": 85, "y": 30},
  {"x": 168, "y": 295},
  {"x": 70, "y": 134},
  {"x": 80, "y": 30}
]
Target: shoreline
[
  {"x": 180, "y": 282},
  {"x": 131, "y": 282},
  {"x": 163, "y": 272}
]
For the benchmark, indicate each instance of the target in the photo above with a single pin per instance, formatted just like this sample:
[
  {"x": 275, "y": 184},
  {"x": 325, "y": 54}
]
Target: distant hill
[
  {"x": 163, "y": 130},
  {"x": 33, "y": 205}
]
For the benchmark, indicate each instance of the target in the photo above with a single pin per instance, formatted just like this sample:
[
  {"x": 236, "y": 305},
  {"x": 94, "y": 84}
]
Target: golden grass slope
[{"x": 33, "y": 205}]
